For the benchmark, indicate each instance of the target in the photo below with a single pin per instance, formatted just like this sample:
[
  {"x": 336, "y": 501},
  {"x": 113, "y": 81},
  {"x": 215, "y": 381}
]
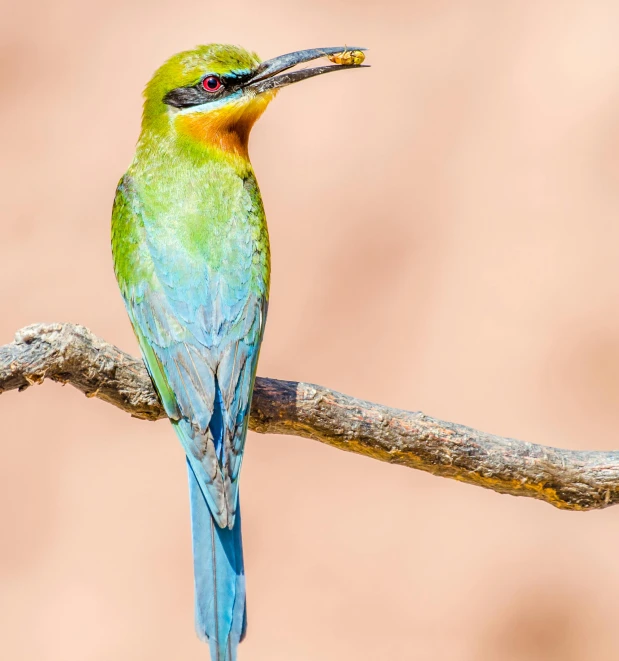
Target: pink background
[{"x": 445, "y": 237}]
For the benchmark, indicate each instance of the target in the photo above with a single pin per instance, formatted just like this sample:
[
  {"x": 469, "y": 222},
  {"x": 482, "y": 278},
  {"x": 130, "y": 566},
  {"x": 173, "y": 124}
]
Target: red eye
[{"x": 211, "y": 83}]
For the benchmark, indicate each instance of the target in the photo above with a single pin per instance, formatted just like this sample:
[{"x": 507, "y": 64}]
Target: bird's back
[
  {"x": 191, "y": 255},
  {"x": 192, "y": 259}
]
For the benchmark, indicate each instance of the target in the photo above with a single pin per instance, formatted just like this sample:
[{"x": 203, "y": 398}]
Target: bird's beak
[{"x": 269, "y": 75}]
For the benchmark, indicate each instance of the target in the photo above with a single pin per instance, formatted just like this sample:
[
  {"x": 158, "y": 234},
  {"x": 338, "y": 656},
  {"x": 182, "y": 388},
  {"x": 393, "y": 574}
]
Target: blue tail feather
[{"x": 219, "y": 577}]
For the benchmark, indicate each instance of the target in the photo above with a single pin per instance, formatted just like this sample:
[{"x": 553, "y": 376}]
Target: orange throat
[{"x": 226, "y": 128}]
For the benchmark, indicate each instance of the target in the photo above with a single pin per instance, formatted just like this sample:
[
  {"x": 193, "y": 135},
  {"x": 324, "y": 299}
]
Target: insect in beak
[{"x": 270, "y": 74}]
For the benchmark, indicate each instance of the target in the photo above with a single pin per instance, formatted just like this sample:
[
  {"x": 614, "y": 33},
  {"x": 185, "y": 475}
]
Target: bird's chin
[{"x": 251, "y": 96}]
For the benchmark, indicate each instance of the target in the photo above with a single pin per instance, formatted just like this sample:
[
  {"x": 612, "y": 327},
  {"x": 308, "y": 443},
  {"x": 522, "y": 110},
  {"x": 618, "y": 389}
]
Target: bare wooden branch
[{"x": 568, "y": 479}]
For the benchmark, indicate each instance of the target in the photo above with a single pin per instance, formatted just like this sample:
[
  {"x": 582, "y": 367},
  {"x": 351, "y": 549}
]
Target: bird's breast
[{"x": 206, "y": 226}]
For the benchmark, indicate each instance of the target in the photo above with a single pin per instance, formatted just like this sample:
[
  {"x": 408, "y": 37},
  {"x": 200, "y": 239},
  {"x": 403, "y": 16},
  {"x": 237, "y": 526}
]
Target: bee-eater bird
[{"x": 191, "y": 256}]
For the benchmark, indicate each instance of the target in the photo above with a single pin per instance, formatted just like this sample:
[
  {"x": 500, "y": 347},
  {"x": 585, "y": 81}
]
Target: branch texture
[{"x": 568, "y": 479}]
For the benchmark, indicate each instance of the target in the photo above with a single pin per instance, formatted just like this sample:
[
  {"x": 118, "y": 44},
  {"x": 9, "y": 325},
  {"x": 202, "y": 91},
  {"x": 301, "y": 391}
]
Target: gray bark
[{"x": 568, "y": 479}]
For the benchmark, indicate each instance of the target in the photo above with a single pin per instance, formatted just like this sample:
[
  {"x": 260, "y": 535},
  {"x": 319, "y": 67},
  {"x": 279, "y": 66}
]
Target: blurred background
[{"x": 445, "y": 237}]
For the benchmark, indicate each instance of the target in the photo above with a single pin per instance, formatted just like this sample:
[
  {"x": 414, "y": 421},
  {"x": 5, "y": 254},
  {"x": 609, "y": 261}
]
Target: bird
[{"x": 191, "y": 256}]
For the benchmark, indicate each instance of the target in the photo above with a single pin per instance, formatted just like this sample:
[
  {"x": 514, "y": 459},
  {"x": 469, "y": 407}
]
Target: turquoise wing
[{"x": 200, "y": 338}]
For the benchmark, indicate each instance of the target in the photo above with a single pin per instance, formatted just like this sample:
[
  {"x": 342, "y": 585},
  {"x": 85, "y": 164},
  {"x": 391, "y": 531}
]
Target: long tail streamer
[{"x": 219, "y": 577}]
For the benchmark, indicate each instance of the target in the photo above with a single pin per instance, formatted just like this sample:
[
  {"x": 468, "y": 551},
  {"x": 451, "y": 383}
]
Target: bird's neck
[
  {"x": 206, "y": 132},
  {"x": 220, "y": 134},
  {"x": 175, "y": 150}
]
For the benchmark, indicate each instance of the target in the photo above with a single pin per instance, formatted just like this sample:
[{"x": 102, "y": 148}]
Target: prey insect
[{"x": 347, "y": 57}]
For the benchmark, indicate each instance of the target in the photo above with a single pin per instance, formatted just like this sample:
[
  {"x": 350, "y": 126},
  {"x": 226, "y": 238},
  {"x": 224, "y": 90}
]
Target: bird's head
[{"x": 212, "y": 96}]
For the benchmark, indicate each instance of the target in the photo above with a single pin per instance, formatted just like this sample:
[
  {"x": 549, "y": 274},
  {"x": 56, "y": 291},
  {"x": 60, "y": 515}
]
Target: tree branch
[{"x": 568, "y": 479}]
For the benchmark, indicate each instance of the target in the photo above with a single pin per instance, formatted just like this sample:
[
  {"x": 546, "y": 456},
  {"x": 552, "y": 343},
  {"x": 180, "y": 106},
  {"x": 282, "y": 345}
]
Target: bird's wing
[{"x": 200, "y": 341}]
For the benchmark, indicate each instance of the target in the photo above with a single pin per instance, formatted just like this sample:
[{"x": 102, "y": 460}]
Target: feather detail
[{"x": 191, "y": 256}]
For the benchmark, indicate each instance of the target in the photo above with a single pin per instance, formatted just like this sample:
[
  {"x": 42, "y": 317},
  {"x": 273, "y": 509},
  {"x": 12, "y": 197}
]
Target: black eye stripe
[
  {"x": 185, "y": 97},
  {"x": 237, "y": 79},
  {"x": 196, "y": 95}
]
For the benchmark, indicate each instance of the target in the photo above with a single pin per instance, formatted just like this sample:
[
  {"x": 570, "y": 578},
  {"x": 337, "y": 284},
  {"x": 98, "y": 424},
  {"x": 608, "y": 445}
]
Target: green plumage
[{"x": 191, "y": 255}]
